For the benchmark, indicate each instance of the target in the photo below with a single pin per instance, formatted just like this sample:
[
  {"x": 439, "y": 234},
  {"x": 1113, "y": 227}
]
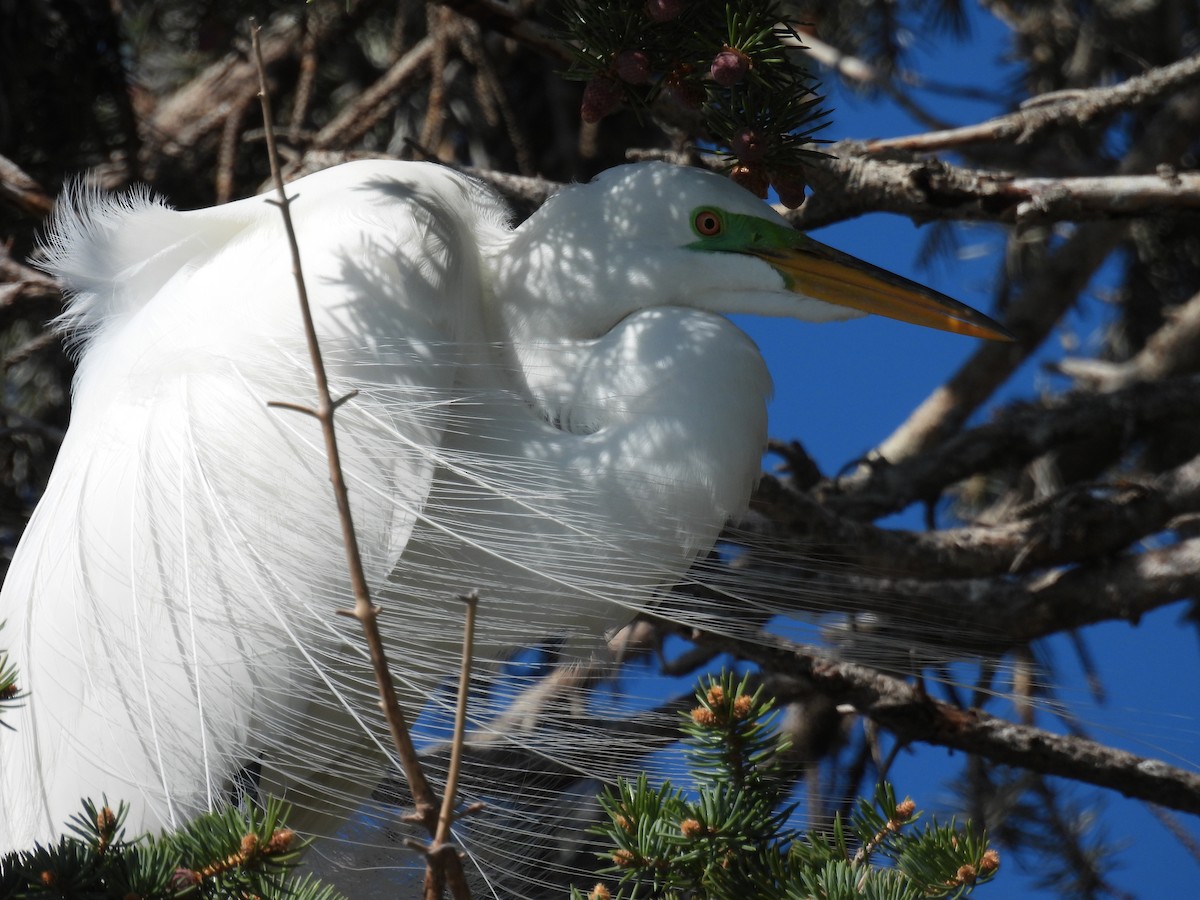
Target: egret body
[{"x": 557, "y": 416}]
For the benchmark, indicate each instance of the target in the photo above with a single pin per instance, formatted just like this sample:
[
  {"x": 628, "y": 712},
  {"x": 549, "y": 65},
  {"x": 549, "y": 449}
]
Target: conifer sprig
[
  {"x": 732, "y": 839},
  {"x": 752, "y": 97},
  {"x": 230, "y": 853}
]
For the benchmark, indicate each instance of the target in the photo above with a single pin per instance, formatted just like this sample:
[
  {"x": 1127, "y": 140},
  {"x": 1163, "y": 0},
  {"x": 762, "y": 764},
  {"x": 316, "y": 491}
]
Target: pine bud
[
  {"x": 633, "y": 66},
  {"x": 990, "y": 862},
  {"x": 599, "y": 892},
  {"x": 106, "y": 820},
  {"x": 182, "y": 879},
  {"x": 904, "y": 809},
  {"x": 729, "y": 67},
  {"x": 664, "y": 10},
  {"x": 281, "y": 841},
  {"x": 601, "y": 96},
  {"x": 686, "y": 93},
  {"x": 742, "y": 706},
  {"x": 691, "y": 828},
  {"x": 790, "y": 185},
  {"x": 752, "y": 178},
  {"x": 749, "y": 146}
]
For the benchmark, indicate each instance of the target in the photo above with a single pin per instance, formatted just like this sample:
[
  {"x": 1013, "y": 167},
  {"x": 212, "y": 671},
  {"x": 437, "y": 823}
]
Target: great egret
[{"x": 557, "y": 416}]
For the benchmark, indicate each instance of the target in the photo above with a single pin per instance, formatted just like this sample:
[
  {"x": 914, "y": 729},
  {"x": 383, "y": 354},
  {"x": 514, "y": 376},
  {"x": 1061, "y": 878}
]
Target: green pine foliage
[
  {"x": 748, "y": 93},
  {"x": 232, "y": 853},
  {"x": 732, "y": 840}
]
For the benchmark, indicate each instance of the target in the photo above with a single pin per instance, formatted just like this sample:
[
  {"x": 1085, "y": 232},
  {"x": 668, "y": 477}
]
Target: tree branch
[
  {"x": 376, "y": 101},
  {"x": 1074, "y": 108},
  {"x": 912, "y": 715},
  {"x": 1172, "y": 350},
  {"x": 1018, "y": 435},
  {"x": 1049, "y": 292},
  {"x": 501, "y": 18},
  {"x": 22, "y": 191}
]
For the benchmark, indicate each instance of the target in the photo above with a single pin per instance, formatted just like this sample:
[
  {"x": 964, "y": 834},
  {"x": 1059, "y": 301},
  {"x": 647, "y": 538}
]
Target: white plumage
[{"x": 557, "y": 417}]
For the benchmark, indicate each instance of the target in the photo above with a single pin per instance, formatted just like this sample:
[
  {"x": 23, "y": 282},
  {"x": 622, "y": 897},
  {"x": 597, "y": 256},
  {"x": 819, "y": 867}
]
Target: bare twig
[
  {"x": 442, "y": 27},
  {"x": 376, "y": 101},
  {"x": 304, "y": 84},
  {"x": 491, "y": 90},
  {"x": 364, "y": 611},
  {"x": 1073, "y": 107},
  {"x": 22, "y": 191},
  {"x": 502, "y": 19},
  {"x": 1031, "y": 199},
  {"x": 227, "y": 151},
  {"x": 854, "y": 69},
  {"x": 20, "y": 282},
  {"x": 992, "y": 616},
  {"x": 185, "y": 125},
  {"x": 446, "y": 816},
  {"x": 1032, "y": 316},
  {"x": 22, "y": 352},
  {"x": 1172, "y": 350}
]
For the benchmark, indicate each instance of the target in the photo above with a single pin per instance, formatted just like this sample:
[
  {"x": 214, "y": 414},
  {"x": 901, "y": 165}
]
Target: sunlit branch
[{"x": 910, "y": 714}]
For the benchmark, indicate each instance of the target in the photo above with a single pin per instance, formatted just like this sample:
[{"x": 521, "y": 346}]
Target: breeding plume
[{"x": 556, "y": 416}]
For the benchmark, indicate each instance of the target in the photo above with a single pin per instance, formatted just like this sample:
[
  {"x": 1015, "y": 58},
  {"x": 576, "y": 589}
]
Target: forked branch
[{"x": 444, "y": 865}]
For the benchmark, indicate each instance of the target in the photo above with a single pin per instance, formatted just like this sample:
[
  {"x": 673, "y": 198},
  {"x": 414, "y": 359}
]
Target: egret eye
[{"x": 707, "y": 223}]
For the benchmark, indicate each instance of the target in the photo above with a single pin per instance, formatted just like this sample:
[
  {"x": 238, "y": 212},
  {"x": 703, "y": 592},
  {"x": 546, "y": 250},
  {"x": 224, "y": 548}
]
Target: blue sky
[{"x": 842, "y": 388}]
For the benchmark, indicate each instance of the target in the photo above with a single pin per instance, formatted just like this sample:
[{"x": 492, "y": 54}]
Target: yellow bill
[{"x": 823, "y": 273}]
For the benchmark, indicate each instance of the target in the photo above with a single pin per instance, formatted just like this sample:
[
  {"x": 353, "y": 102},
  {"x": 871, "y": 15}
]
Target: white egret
[{"x": 557, "y": 416}]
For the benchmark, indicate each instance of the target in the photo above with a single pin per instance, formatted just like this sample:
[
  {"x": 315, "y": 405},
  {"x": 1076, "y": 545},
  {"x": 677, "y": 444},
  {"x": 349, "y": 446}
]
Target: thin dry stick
[
  {"x": 366, "y": 612},
  {"x": 460, "y": 721},
  {"x": 446, "y": 817}
]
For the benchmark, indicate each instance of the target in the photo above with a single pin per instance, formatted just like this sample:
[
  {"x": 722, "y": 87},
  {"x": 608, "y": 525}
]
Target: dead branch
[
  {"x": 22, "y": 283},
  {"x": 1172, "y": 350},
  {"x": 1076, "y": 107},
  {"x": 22, "y": 191},
  {"x": 990, "y": 617},
  {"x": 1048, "y": 294},
  {"x": 911, "y": 715},
  {"x": 376, "y": 101},
  {"x": 195, "y": 114},
  {"x": 854, "y": 183},
  {"x": 503, "y": 19},
  {"x": 1018, "y": 435}
]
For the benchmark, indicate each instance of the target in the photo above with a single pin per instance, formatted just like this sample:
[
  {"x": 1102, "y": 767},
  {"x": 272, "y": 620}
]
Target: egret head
[{"x": 654, "y": 234}]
